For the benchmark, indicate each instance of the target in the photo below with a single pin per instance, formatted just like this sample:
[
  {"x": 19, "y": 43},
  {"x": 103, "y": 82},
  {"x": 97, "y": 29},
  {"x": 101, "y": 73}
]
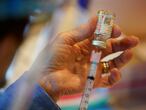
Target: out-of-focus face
[{"x": 130, "y": 14}]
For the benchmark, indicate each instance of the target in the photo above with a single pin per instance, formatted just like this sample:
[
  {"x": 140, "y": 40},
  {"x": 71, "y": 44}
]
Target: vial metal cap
[
  {"x": 106, "y": 12},
  {"x": 98, "y": 43}
]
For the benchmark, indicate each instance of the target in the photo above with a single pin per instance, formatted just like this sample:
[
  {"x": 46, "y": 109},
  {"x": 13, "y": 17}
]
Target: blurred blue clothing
[
  {"x": 23, "y": 8},
  {"x": 40, "y": 99},
  {"x": 84, "y": 4}
]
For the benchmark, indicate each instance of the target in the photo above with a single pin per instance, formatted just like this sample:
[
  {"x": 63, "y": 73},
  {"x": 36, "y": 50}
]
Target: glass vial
[{"x": 104, "y": 28}]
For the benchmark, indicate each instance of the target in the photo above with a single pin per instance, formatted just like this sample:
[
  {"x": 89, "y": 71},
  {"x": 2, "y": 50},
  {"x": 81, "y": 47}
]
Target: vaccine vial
[{"x": 104, "y": 28}]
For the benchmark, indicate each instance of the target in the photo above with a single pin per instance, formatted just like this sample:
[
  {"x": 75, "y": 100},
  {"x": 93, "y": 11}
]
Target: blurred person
[
  {"x": 11, "y": 36},
  {"x": 13, "y": 20},
  {"x": 67, "y": 71},
  {"x": 14, "y": 16}
]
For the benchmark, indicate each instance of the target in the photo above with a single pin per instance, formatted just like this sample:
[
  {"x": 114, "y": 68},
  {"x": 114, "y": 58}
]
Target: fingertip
[
  {"x": 116, "y": 32},
  {"x": 114, "y": 77},
  {"x": 115, "y": 74},
  {"x": 130, "y": 41},
  {"x": 124, "y": 42},
  {"x": 135, "y": 40},
  {"x": 114, "y": 71}
]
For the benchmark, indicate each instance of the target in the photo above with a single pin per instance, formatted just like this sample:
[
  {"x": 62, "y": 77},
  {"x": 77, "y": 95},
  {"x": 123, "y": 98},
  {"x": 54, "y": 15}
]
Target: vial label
[{"x": 104, "y": 26}]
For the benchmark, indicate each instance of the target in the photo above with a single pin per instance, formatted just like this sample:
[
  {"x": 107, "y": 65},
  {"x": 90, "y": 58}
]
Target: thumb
[{"x": 82, "y": 32}]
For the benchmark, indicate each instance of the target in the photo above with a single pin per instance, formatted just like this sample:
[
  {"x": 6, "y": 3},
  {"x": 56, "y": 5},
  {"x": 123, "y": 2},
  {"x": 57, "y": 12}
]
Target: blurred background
[{"x": 27, "y": 25}]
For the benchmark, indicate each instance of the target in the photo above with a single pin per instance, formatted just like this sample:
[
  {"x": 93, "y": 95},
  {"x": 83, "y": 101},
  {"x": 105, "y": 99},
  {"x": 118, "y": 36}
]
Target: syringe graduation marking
[{"x": 95, "y": 57}]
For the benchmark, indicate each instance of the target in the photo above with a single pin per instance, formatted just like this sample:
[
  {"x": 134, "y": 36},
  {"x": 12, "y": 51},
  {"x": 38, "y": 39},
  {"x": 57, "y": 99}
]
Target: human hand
[{"x": 67, "y": 69}]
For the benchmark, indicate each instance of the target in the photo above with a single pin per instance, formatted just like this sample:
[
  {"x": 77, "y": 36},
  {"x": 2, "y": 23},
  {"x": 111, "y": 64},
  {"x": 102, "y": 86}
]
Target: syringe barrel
[{"x": 104, "y": 28}]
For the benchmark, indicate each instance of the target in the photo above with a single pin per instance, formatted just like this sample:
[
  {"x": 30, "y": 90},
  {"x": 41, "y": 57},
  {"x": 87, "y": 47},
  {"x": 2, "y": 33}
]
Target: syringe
[{"x": 102, "y": 33}]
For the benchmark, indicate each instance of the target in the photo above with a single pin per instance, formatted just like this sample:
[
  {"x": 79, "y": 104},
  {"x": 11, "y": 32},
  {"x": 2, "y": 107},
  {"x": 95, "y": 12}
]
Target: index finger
[{"x": 116, "y": 32}]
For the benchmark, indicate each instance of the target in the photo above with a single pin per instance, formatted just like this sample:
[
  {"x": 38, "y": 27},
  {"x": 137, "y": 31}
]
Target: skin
[{"x": 66, "y": 70}]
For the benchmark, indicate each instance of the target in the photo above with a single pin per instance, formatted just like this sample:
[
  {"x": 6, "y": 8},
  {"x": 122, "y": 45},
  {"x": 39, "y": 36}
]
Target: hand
[{"x": 67, "y": 69}]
